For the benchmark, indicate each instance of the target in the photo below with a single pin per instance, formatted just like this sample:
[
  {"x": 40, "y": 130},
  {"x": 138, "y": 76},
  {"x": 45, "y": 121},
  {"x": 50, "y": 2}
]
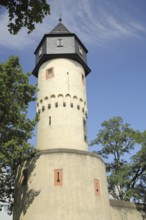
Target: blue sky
[{"x": 114, "y": 33}]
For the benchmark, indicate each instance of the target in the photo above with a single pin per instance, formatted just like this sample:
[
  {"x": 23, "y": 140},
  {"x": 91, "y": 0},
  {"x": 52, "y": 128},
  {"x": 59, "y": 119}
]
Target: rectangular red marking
[
  {"x": 97, "y": 187},
  {"x": 58, "y": 177}
]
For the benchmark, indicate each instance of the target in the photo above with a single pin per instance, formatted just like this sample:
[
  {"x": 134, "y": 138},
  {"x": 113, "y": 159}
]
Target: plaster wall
[
  {"x": 65, "y": 93},
  {"x": 121, "y": 210},
  {"x": 75, "y": 199}
]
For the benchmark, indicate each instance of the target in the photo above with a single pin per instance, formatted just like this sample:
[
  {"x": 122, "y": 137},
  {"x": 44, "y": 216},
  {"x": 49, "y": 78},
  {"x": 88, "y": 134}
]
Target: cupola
[{"x": 60, "y": 43}]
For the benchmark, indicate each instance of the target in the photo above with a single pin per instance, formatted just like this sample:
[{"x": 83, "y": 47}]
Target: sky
[{"x": 114, "y": 32}]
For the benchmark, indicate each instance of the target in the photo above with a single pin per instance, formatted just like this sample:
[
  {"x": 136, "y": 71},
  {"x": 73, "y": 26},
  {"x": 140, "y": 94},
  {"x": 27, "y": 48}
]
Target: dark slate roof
[{"x": 60, "y": 29}]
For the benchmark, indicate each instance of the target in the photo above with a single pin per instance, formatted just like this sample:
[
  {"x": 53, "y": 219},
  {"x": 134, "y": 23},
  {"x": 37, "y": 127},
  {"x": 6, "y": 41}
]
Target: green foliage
[
  {"x": 126, "y": 174},
  {"x": 15, "y": 128},
  {"x": 25, "y": 13},
  {"x": 139, "y": 172}
]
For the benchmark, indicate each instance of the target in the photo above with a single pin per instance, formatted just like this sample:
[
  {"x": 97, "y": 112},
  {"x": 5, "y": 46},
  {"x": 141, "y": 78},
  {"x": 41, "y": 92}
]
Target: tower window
[
  {"x": 40, "y": 51},
  {"x": 84, "y": 125},
  {"x": 58, "y": 177},
  {"x": 59, "y": 42},
  {"x": 83, "y": 79},
  {"x": 78, "y": 107},
  {"x": 50, "y": 73},
  {"x": 80, "y": 50},
  {"x": 97, "y": 187},
  {"x": 85, "y": 138},
  {"x": 49, "y": 120},
  {"x": 85, "y": 130}
]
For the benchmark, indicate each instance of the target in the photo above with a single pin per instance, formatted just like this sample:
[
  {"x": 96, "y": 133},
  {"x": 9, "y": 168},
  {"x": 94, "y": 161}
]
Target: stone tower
[
  {"x": 61, "y": 68},
  {"x": 63, "y": 181}
]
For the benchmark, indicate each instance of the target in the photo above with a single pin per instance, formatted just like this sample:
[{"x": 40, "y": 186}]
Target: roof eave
[{"x": 46, "y": 57}]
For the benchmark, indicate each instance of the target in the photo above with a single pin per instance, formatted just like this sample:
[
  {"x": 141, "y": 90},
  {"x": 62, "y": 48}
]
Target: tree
[
  {"x": 138, "y": 173},
  {"x": 15, "y": 128},
  {"x": 126, "y": 175},
  {"x": 25, "y": 13}
]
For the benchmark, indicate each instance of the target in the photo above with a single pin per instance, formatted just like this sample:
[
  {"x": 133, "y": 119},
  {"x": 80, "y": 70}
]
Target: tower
[
  {"x": 63, "y": 181},
  {"x": 61, "y": 68}
]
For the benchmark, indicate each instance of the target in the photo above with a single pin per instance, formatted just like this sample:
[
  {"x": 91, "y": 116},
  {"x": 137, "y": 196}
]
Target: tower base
[{"x": 62, "y": 184}]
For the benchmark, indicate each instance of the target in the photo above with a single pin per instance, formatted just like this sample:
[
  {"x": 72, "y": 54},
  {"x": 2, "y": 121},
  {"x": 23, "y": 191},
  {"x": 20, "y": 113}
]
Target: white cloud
[
  {"x": 94, "y": 23},
  {"x": 98, "y": 23},
  {"x": 18, "y": 41}
]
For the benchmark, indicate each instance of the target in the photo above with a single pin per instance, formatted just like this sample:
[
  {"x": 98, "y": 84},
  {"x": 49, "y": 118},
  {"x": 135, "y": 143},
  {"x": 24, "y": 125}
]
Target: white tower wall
[
  {"x": 75, "y": 197},
  {"x": 62, "y": 106}
]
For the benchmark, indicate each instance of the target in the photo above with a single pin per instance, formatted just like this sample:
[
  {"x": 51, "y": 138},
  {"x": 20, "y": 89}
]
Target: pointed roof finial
[
  {"x": 60, "y": 28},
  {"x": 60, "y": 19}
]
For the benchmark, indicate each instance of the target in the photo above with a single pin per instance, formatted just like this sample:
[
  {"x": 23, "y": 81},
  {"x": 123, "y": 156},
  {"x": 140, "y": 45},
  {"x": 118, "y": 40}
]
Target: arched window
[{"x": 60, "y": 99}]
